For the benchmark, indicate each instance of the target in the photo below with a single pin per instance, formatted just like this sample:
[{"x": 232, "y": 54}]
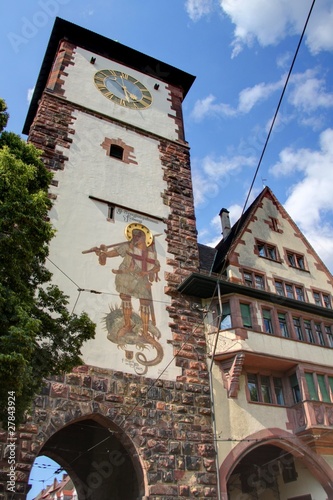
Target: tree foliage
[{"x": 38, "y": 335}]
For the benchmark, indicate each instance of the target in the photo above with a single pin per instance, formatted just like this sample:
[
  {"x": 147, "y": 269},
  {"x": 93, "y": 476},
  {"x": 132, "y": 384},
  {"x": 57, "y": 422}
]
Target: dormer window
[
  {"x": 266, "y": 250},
  {"x": 274, "y": 224},
  {"x": 296, "y": 260}
]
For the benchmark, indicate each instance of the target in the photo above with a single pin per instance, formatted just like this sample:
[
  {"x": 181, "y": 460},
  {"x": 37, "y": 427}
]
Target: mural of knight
[{"x": 134, "y": 278}]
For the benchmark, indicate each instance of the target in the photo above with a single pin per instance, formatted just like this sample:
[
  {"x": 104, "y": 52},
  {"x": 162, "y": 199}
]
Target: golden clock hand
[
  {"x": 125, "y": 92},
  {"x": 123, "y": 87},
  {"x": 116, "y": 81},
  {"x": 132, "y": 96},
  {"x": 129, "y": 94}
]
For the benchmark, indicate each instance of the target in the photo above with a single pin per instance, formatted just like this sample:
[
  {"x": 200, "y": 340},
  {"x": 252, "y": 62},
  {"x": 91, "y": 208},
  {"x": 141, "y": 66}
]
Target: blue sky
[
  {"x": 43, "y": 474},
  {"x": 240, "y": 52}
]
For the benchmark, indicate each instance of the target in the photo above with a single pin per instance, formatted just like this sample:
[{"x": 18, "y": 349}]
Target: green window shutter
[
  {"x": 311, "y": 386},
  {"x": 323, "y": 389},
  {"x": 330, "y": 382},
  {"x": 246, "y": 315}
]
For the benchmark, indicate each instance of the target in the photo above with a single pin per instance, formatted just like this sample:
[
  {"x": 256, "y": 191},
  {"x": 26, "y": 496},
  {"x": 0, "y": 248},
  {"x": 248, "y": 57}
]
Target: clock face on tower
[{"x": 123, "y": 89}]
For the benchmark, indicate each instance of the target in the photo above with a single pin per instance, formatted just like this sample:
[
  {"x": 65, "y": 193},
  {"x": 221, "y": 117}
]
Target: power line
[
  {"x": 268, "y": 136},
  {"x": 279, "y": 103}
]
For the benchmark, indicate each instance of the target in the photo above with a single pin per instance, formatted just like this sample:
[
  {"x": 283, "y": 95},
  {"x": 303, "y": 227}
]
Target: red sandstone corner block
[
  {"x": 73, "y": 379},
  {"x": 162, "y": 489},
  {"x": 81, "y": 369},
  {"x": 206, "y": 450},
  {"x": 184, "y": 491},
  {"x": 178, "y": 475},
  {"x": 210, "y": 492},
  {"x": 59, "y": 391},
  {"x": 209, "y": 464}
]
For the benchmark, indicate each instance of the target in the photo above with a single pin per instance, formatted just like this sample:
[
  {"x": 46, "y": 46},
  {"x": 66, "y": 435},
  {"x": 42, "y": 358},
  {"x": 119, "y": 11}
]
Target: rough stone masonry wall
[{"x": 168, "y": 422}]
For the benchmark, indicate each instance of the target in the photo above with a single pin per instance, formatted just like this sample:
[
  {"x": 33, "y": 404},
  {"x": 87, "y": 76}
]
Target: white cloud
[
  {"x": 319, "y": 35},
  {"x": 207, "y": 107},
  {"x": 210, "y": 175},
  {"x": 269, "y": 22},
  {"x": 203, "y": 187},
  {"x": 198, "y": 8},
  {"x": 310, "y": 200},
  {"x": 283, "y": 60},
  {"x": 87, "y": 12},
  {"x": 251, "y": 96},
  {"x": 235, "y": 211},
  {"x": 306, "y": 92},
  {"x": 223, "y": 167},
  {"x": 30, "y": 94},
  {"x": 247, "y": 99},
  {"x": 309, "y": 92}
]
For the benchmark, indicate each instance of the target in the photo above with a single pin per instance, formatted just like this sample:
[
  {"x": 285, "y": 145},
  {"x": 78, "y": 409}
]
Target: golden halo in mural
[{"x": 136, "y": 225}]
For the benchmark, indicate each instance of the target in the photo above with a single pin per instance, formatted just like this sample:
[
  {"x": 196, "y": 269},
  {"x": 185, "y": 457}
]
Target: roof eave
[{"x": 206, "y": 286}]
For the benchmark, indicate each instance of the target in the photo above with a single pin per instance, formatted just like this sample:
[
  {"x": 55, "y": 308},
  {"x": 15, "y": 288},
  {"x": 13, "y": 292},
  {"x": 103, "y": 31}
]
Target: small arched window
[{"x": 116, "y": 151}]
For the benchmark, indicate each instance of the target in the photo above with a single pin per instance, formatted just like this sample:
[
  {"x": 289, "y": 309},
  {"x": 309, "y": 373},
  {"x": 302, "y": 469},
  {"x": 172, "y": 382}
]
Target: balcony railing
[{"x": 310, "y": 415}]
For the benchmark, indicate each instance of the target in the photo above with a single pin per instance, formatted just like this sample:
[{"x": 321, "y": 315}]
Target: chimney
[{"x": 225, "y": 222}]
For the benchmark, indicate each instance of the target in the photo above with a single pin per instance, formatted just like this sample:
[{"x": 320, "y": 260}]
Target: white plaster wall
[
  {"x": 328, "y": 459},
  {"x": 81, "y": 223},
  {"x": 90, "y": 171},
  {"x": 80, "y": 88},
  {"x": 306, "y": 484},
  {"x": 272, "y": 345},
  {"x": 236, "y": 419}
]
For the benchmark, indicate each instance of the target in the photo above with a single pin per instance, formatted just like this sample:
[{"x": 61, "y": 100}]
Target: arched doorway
[
  {"x": 275, "y": 465},
  {"x": 99, "y": 458},
  {"x": 261, "y": 473}
]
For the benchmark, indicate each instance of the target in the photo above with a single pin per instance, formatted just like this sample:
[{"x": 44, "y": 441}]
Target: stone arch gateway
[{"x": 101, "y": 460}]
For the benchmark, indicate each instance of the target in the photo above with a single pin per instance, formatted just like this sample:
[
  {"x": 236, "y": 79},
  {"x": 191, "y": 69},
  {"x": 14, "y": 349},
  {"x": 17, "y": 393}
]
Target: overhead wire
[
  {"x": 279, "y": 104},
  {"x": 270, "y": 129}
]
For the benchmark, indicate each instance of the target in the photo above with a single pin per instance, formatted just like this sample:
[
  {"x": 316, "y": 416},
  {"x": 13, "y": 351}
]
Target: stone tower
[{"x": 134, "y": 421}]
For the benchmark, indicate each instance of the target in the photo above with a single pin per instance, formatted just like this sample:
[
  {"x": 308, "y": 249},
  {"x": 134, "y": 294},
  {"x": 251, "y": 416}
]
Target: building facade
[
  {"x": 269, "y": 326},
  {"x": 134, "y": 421},
  {"x": 58, "y": 490},
  {"x": 211, "y": 373}
]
